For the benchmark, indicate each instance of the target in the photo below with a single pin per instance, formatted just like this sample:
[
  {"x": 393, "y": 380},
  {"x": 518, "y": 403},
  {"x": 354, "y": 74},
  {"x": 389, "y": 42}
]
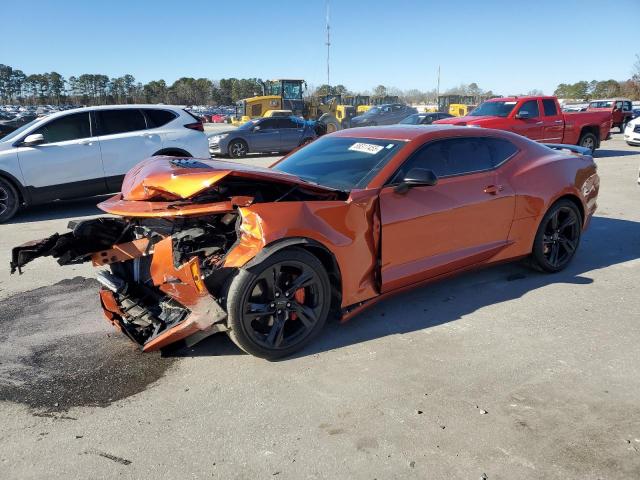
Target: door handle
[
  {"x": 539, "y": 123},
  {"x": 558, "y": 121},
  {"x": 86, "y": 142},
  {"x": 147, "y": 135},
  {"x": 493, "y": 189}
]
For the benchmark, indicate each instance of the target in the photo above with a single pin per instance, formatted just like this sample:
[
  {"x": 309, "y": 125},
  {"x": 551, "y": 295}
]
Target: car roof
[
  {"x": 424, "y": 133},
  {"x": 523, "y": 97},
  {"x": 62, "y": 113}
]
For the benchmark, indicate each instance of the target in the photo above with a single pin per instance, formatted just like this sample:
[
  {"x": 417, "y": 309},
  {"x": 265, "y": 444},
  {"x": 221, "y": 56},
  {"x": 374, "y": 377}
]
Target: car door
[
  {"x": 462, "y": 220},
  {"x": 124, "y": 142},
  {"x": 552, "y": 122},
  {"x": 291, "y": 132},
  {"x": 530, "y": 127},
  {"x": 67, "y": 164},
  {"x": 266, "y": 138}
]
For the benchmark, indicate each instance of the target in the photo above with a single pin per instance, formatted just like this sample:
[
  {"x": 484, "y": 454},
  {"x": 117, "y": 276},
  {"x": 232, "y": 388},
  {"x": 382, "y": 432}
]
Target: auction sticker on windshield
[{"x": 366, "y": 148}]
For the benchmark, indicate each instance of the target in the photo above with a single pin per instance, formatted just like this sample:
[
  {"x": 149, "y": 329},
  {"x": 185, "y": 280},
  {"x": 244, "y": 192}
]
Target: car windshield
[
  {"x": 413, "y": 119},
  {"x": 372, "y": 111},
  {"x": 16, "y": 133},
  {"x": 494, "y": 109},
  {"x": 601, "y": 104},
  {"x": 340, "y": 163}
]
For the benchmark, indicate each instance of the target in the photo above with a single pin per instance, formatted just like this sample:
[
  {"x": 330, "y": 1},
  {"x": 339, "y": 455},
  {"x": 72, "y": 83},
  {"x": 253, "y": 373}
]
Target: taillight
[{"x": 195, "y": 126}]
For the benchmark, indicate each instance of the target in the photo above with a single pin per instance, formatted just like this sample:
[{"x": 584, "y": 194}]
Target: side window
[
  {"x": 446, "y": 158},
  {"x": 269, "y": 124},
  {"x": 69, "y": 127},
  {"x": 549, "y": 106},
  {"x": 287, "y": 123},
  {"x": 619, "y": 104},
  {"x": 398, "y": 108},
  {"x": 626, "y": 106},
  {"x": 120, "y": 121},
  {"x": 530, "y": 106},
  {"x": 500, "y": 150},
  {"x": 158, "y": 118}
]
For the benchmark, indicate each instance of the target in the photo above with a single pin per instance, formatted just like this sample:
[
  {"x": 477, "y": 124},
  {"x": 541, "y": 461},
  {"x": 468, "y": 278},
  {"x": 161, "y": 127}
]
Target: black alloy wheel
[
  {"x": 558, "y": 237},
  {"x": 278, "y": 306},
  {"x": 9, "y": 201}
]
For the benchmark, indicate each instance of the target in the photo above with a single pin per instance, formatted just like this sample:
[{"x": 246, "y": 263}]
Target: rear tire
[
  {"x": 557, "y": 238},
  {"x": 588, "y": 140},
  {"x": 269, "y": 315},
  {"x": 9, "y": 200},
  {"x": 238, "y": 149}
]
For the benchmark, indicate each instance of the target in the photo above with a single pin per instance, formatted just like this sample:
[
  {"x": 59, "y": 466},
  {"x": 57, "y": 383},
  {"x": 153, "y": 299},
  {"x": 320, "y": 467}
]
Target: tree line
[{"x": 51, "y": 88}]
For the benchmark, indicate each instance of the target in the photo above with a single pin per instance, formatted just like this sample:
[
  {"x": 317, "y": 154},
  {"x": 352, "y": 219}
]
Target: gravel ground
[{"x": 504, "y": 372}]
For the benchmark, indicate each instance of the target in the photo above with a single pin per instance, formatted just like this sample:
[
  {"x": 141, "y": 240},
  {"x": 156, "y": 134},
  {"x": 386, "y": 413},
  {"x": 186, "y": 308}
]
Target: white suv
[{"x": 86, "y": 151}]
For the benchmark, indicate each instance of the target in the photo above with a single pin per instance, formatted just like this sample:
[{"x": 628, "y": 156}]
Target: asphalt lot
[{"x": 504, "y": 372}]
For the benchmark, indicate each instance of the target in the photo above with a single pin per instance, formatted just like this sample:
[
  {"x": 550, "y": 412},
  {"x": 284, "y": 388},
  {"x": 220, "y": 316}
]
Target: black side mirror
[
  {"x": 523, "y": 114},
  {"x": 417, "y": 177}
]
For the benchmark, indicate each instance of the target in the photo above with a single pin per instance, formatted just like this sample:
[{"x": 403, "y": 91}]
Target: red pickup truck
[{"x": 540, "y": 119}]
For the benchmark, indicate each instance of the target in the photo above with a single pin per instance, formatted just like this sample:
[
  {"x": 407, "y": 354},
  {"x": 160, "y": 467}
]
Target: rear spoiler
[{"x": 572, "y": 148}]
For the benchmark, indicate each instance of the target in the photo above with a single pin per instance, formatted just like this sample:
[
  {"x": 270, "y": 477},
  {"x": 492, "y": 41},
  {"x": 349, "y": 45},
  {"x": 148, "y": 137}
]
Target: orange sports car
[{"x": 195, "y": 247}]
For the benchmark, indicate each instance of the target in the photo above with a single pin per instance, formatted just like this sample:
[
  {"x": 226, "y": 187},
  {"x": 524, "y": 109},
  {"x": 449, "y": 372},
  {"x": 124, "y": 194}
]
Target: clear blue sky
[{"x": 506, "y": 46}]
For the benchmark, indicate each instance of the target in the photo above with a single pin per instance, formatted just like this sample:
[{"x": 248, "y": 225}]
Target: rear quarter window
[
  {"x": 157, "y": 118},
  {"x": 501, "y": 150}
]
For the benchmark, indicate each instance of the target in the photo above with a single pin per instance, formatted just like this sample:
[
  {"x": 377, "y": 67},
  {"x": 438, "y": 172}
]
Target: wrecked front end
[
  {"x": 162, "y": 258},
  {"x": 163, "y": 278}
]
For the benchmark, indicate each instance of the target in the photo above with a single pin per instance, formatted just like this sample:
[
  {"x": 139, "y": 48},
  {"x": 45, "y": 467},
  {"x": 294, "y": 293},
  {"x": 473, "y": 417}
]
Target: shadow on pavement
[
  {"x": 450, "y": 300},
  {"x": 614, "y": 153},
  {"x": 59, "y": 209}
]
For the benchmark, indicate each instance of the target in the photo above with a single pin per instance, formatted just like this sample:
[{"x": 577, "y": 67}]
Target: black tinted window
[
  {"x": 530, "y": 106},
  {"x": 158, "y": 118},
  {"x": 269, "y": 124},
  {"x": 70, "y": 127},
  {"x": 287, "y": 123},
  {"x": 501, "y": 150},
  {"x": 446, "y": 158},
  {"x": 549, "y": 106},
  {"x": 120, "y": 121}
]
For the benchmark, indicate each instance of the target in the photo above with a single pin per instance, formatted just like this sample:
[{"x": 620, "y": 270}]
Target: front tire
[
  {"x": 238, "y": 149},
  {"x": 278, "y": 306},
  {"x": 558, "y": 237},
  {"x": 9, "y": 200}
]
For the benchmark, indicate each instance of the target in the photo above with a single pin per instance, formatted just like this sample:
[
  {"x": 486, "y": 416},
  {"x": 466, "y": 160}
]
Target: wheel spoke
[
  {"x": 554, "y": 220},
  {"x": 306, "y": 315},
  {"x": 276, "y": 333},
  {"x": 567, "y": 223},
  {"x": 568, "y": 245},
  {"x": 271, "y": 278},
  {"x": 555, "y": 251},
  {"x": 303, "y": 280},
  {"x": 255, "y": 310}
]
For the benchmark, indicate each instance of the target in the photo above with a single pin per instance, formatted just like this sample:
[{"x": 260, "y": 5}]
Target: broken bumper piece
[{"x": 165, "y": 320}]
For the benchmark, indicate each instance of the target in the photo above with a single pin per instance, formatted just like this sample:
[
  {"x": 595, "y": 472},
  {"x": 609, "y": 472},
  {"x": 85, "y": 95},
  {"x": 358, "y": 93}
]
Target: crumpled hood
[{"x": 170, "y": 178}]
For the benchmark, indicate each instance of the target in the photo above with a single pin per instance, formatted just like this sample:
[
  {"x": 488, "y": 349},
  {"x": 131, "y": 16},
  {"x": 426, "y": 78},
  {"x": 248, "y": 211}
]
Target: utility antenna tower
[{"x": 328, "y": 44}]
